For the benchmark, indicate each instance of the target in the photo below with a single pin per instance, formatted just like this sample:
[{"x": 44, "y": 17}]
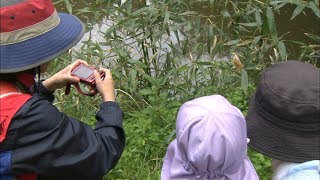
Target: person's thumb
[
  {"x": 97, "y": 76},
  {"x": 74, "y": 79}
]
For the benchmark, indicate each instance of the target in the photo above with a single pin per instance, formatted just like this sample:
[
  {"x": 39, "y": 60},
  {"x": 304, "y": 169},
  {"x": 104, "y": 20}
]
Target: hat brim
[
  {"x": 173, "y": 167},
  {"x": 279, "y": 143},
  {"x": 43, "y": 48}
]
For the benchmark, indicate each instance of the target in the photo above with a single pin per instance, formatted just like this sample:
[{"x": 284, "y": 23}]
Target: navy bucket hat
[
  {"x": 32, "y": 33},
  {"x": 284, "y": 113}
]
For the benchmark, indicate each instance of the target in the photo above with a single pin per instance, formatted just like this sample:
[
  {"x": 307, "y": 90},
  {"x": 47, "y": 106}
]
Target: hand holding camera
[{"x": 80, "y": 73}]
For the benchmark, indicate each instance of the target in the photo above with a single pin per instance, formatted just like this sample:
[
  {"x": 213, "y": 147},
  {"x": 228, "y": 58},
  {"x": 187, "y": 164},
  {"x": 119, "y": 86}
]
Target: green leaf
[
  {"x": 255, "y": 41},
  {"x": 297, "y": 11},
  {"x": 151, "y": 79},
  {"x": 166, "y": 18},
  {"x": 243, "y": 43},
  {"x": 190, "y": 13},
  {"x": 232, "y": 42},
  {"x": 84, "y": 10},
  {"x": 271, "y": 24},
  {"x": 244, "y": 80},
  {"x": 313, "y": 37},
  {"x": 275, "y": 2},
  {"x": 249, "y": 24},
  {"x": 133, "y": 76},
  {"x": 69, "y": 6},
  {"x": 225, "y": 14},
  {"x": 258, "y": 17},
  {"x": 210, "y": 38},
  {"x": 136, "y": 62},
  {"x": 314, "y": 8},
  {"x": 282, "y": 50},
  {"x": 139, "y": 11},
  {"x": 204, "y": 63}
]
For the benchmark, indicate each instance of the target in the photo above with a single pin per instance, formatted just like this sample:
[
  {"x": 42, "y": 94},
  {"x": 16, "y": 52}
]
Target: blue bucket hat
[{"x": 32, "y": 33}]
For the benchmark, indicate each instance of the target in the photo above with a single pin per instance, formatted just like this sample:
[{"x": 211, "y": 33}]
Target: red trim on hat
[{"x": 24, "y": 14}]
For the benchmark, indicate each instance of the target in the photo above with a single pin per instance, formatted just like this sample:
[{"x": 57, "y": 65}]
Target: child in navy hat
[
  {"x": 284, "y": 120},
  {"x": 37, "y": 141}
]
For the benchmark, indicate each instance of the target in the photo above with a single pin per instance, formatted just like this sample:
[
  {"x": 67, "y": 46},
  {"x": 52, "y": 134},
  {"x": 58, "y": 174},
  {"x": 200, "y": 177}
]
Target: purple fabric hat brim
[
  {"x": 43, "y": 48},
  {"x": 172, "y": 164},
  {"x": 277, "y": 143}
]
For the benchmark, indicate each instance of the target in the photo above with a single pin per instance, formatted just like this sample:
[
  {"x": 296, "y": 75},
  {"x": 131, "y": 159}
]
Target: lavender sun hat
[{"x": 211, "y": 143}]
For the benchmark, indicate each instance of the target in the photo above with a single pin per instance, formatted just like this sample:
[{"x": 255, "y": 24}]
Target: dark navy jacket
[{"x": 45, "y": 141}]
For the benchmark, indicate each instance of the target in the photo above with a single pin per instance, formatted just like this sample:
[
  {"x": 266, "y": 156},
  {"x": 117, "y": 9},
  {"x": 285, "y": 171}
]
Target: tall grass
[{"x": 165, "y": 52}]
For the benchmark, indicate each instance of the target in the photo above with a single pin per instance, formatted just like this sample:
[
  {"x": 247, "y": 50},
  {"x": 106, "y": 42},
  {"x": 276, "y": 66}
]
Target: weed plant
[{"x": 165, "y": 52}]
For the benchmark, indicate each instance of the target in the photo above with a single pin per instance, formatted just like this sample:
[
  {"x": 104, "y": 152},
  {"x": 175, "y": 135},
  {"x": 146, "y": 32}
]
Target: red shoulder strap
[
  {"x": 27, "y": 177},
  {"x": 9, "y": 105}
]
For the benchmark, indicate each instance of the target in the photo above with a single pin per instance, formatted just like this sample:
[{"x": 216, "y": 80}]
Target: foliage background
[{"x": 163, "y": 53}]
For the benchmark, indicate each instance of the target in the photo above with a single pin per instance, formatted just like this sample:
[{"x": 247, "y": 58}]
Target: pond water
[{"x": 290, "y": 29}]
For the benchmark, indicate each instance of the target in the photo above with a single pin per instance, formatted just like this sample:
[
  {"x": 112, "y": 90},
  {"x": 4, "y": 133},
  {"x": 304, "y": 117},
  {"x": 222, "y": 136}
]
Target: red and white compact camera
[{"x": 85, "y": 73}]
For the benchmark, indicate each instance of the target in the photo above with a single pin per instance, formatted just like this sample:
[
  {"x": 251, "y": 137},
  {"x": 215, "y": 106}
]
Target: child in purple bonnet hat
[{"x": 211, "y": 142}]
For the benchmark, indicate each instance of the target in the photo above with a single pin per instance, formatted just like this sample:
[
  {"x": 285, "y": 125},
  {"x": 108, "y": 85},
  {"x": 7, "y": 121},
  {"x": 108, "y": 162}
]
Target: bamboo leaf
[
  {"x": 136, "y": 62},
  {"x": 139, "y": 11},
  {"x": 245, "y": 42},
  {"x": 151, "y": 79},
  {"x": 225, "y": 14},
  {"x": 166, "y": 18},
  {"x": 275, "y": 2},
  {"x": 313, "y": 36},
  {"x": 249, "y": 24},
  {"x": 203, "y": 63},
  {"x": 282, "y": 50},
  {"x": 297, "y": 11},
  {"x": 133, "y": 80},
  {"x": 272, "y": 24},
  {"x": 210, "y": 38},
  {"x": 190, "y": 13},
  {"x": 244, "y": 80},
  {"x": 314, "y": 8},
  {"x": 232, "y": 42},
  {"x": 68, "y": 6},
  {"x": 255, "y": 41},
  {"x": 258, "y": 17}
]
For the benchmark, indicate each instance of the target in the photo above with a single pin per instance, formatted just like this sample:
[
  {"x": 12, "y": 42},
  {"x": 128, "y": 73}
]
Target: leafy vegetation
[{"x": 165, "y": 52}]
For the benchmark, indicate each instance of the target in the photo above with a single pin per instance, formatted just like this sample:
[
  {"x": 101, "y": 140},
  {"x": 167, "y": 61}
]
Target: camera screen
[{"x": 83, "y": 72}]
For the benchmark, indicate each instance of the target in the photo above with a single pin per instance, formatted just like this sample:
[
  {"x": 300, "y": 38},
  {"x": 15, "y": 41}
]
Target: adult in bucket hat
[
  {"x": 284, "y": 118},
  {"x": 37, "y": 141},
  {"x": 211, "y": 143}
]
